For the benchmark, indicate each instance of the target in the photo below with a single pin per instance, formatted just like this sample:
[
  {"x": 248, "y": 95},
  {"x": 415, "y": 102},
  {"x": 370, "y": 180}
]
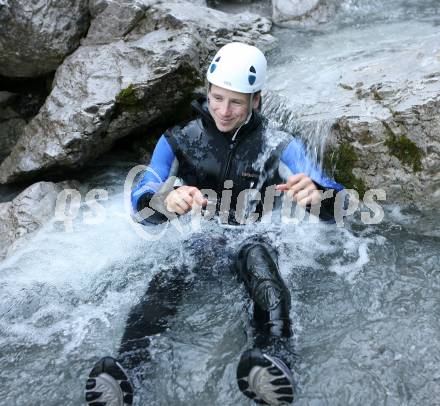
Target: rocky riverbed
[{"x": 86, "y": 88}]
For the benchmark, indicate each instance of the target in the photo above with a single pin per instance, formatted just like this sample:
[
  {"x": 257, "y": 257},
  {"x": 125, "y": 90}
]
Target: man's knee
[{"x": 257, "y": 266}]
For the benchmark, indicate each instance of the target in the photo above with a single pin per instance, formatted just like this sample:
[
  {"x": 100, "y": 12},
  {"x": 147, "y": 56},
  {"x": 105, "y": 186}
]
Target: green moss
[
  {"x": 346, "y": 87},
  {"x": 405, "y": 150},
  {"x": 377, "y": 96},
  {"x": 127, "y": 97},
  {"x": 340, "y": 162}
]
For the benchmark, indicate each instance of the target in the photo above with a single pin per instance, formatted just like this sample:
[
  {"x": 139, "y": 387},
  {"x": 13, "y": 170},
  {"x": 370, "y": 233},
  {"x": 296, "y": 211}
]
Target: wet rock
[
  {"x": 381, "y": 119},
  {"x": 398, "y": 153},
  {"x": 114, "y": 20},
  {"x": 10, "y": 131},
  {"x": 127, "y": 76},
  {"x": 11, "y": 124},
  {"x": 18, "y": 105},
  {"x": 27, "y": 213},
  {"x": 294, "y": 12},
  {"x": 217, "y": 3},
  {"x": 36, "y": 36},
  {"x": 98, "y": 6},
  {"x": 7, "y": 227},
  {"x": 260, "y": 7}
]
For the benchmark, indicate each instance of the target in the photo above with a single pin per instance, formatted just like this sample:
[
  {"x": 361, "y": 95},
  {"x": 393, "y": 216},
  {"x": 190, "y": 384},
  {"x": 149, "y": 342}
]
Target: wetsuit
[{"x": 200, "y": 155}]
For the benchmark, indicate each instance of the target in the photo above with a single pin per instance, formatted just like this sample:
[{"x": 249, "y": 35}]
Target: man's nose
[{"x": 225, "y": 108}]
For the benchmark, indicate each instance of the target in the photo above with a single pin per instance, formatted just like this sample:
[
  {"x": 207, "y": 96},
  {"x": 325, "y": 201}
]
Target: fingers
[
  {"x": 282, "y": 187},
  {"x": 198, "y": 197},
  {"x": 294, "y": 179},
  {"x": 291, "y": 181},
  {"x": 301, "y": 189},
  {"x": 304, "y": 184},
  {"x": 182, "y": 199},
  {"x": 176, "y": 203},
  {"x": 308, "y": 197}
]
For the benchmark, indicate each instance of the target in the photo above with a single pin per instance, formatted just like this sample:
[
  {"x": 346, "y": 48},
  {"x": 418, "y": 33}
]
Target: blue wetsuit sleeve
[
  {"x": 154, "y": 177},
  {"x": 295, "y": 158}
]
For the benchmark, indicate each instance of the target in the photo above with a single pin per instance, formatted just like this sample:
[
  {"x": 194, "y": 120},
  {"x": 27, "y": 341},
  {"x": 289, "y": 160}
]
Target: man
[{"x": 227, "y": 149}]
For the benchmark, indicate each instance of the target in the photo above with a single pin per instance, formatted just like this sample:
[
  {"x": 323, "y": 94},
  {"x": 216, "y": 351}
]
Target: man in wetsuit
[{"x": 229, "y": 148}]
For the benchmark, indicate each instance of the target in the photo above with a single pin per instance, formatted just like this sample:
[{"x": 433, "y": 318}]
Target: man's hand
[
  {"x": 301, "y": 189},
  {"x": 182, "y": 199}
]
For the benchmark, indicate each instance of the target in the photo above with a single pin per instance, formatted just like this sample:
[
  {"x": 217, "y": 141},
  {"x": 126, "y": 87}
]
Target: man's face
[{"x": 229, "y": 109}]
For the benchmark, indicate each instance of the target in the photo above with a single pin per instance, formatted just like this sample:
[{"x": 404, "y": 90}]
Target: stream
[{"x": 365, "y": 298}]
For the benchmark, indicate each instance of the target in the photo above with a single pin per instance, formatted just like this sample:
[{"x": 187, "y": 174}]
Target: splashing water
[{"x": 365, "y": 300}]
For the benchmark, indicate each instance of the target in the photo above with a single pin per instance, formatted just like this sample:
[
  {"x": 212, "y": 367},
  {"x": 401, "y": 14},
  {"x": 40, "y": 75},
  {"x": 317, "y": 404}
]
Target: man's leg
[
  {"x": 108, "y": 383},
  {"x": 262, "y": 373}
]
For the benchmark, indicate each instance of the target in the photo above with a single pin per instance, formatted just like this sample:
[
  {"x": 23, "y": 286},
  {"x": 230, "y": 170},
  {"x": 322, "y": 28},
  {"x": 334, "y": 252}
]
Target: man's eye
[{"x": 237, "y": 103}]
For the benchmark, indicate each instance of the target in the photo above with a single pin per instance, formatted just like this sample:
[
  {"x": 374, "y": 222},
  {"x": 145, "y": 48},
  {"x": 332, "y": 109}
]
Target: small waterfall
[{"x": 314, "y": 134}]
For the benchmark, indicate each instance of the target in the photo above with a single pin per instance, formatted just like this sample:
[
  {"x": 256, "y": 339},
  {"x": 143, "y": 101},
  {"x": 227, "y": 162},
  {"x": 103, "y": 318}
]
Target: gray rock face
[
  {"x": 27, "y": 213},
  {"x": 392, "y": 123},
  {"x": 7, "y": 227},
  {"x": 384, "y": 114},
  {"x": 98, "y": 6},
  {"x": 11, "y": 124},
  {"x": 260, "y": 7},
  {"x": 127, "y": 75},
  {"x": 294, "y": 12},
  {"x": 399, "y": 153},
  {"x": 36, "y": 36},
  {"x": 16, "y": 110}
]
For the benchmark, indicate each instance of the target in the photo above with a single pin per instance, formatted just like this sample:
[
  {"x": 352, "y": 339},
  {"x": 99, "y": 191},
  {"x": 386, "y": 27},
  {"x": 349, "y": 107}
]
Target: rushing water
[{"x": 365, "y": 299}]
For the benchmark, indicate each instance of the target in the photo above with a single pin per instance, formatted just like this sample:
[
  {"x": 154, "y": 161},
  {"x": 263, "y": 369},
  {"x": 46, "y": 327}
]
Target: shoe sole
[
  {"x": 111, "y": 388},
  {"x": 265, "y": 379}
]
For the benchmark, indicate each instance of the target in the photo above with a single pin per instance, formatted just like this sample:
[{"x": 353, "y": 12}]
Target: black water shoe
[
  {"x": 108, "y": 385},
  {"x": 264, "y": 378}
]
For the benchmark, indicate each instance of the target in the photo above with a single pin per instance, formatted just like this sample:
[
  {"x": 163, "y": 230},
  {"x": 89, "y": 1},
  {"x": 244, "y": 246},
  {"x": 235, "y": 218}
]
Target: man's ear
[{"x": 256, "y": 100}]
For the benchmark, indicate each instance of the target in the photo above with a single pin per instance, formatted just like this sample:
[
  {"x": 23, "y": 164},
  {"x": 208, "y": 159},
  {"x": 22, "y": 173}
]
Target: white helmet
[{"x": 238, "y": 67}]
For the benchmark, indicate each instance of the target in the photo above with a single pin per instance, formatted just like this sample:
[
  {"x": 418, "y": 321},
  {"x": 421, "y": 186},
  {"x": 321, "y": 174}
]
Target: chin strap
[{"x": 251, "y": 101}]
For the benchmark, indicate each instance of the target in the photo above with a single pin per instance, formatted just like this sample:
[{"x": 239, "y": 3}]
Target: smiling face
[{"x": 229, "y": 109}]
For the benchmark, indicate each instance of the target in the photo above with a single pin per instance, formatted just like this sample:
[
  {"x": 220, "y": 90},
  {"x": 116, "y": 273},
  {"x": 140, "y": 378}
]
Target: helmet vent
[
  {"x": 212, "y": 67},
  {"x": 218, "y": 59},
  {"x": 252, "y": 79},
  {"x": 252, "y": 69}
]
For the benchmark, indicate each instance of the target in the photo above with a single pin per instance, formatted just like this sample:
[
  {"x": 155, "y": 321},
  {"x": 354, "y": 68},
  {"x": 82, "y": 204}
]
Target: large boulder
[
  {"x": 398, "y": 151},
  {"x": 126, "y": 76},
  {"x": 35, "y": 36},
  {"x": 299, "y": 12},
  {"x": 380, "y": 114},
  {"x": 27, "y": 213}
]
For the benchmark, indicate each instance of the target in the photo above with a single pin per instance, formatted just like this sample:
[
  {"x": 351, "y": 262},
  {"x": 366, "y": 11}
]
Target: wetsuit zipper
[{"x": 232, "y": 146}]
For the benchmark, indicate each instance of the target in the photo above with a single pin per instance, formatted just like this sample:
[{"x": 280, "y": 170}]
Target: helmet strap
[{"x": 250, "y": 109}]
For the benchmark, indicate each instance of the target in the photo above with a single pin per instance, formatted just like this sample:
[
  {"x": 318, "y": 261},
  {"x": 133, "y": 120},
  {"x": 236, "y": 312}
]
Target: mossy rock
[
  {"x": 405, "y": 150},
  {"x": 127, "y": 97},
  {"x": 340, "y": 162}
]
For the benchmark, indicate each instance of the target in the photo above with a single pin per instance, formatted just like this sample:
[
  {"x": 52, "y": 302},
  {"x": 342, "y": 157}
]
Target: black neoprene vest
[{"x": 208, "y": 157}]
